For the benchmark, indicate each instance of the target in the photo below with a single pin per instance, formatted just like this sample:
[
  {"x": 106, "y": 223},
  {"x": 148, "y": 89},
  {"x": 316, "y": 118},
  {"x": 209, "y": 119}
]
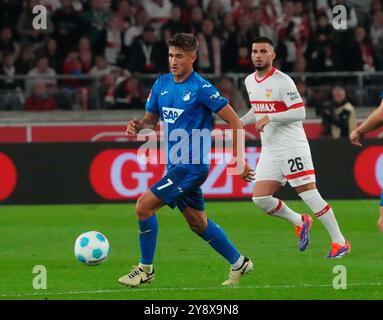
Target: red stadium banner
[
  {"x": 72, "y": 132},
  {"x": 119, "y": 174},
  {"x": 8, "y": 176}
]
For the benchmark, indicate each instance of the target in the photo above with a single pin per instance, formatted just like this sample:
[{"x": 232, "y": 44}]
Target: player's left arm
[{"x": 228, "y": 115}]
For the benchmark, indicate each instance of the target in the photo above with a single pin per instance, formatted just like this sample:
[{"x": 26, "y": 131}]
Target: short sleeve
[
  {"x": 209, "y": 97},
  {"x": 290, "y": 94},
  {"x": 152, "y": 100}
]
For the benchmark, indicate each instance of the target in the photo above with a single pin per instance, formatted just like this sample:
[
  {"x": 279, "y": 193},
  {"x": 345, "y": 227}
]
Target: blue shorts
[
  {"x": 181, "y": 186},
  {"x": 381, "y": 199}
]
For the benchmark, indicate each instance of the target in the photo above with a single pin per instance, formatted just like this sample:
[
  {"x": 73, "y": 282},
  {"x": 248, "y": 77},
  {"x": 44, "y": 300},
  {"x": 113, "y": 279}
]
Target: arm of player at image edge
[
  {"x": 373, "y": 122},
  {"x": 149, "y": 121},
  {"x": 228, "y": 115}
]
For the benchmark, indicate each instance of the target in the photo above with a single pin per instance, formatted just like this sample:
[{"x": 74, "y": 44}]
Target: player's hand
[
  {"x": 248, "y": 173},
  {"x": 133, "y": 127},
  {"x": 261, "y": 123},
  {"x": 355, "y": 138},
  {"x": 380, "y": 224}
]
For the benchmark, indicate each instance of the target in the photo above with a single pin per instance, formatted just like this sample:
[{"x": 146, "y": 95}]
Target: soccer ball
[{"x": 91, "y": 248}]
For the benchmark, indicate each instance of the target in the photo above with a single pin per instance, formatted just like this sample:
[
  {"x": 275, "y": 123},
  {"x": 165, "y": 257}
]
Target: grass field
[{"x": 186, "y": 267}]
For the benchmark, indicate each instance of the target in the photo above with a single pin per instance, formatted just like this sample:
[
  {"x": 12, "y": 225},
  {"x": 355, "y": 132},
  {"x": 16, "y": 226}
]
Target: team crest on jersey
[
  {"x": 171, "y": 115},
  {"x": 186, "y": 96},
  {"x": 268, "y": 93}
]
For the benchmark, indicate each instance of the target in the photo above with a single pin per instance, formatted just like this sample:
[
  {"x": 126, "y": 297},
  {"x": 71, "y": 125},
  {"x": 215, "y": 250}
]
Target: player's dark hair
[
  {"x": 185, "y": 41},
  {"x": 264, "y": 40}
]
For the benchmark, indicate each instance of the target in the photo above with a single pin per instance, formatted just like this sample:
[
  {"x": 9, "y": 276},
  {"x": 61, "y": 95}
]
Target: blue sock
[
  {"x": 148, "y": 238},
  {"x": 217, "y": 238}
]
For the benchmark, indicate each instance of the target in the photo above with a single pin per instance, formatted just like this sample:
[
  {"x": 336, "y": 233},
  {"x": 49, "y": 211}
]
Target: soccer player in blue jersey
[
  {"x": 185, "y": 102},
  {"x": 373, "y": 122}
]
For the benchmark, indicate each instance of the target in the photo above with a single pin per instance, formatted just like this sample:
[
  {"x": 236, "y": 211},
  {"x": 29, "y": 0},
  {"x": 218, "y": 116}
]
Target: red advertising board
[{"x": 72, "y": 132}]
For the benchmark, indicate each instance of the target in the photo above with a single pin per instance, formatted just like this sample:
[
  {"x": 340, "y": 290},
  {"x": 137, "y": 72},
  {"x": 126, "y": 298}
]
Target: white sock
[
  {"x": 236, "y": 265},
  {"x": 148, "y": 268},
  {"x": 278, "y": 208},
  {"x": 324, "y": 213}
]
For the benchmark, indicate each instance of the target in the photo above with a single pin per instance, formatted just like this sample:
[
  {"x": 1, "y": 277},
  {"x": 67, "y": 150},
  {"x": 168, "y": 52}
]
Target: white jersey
[{"x": 273, "y": 94}]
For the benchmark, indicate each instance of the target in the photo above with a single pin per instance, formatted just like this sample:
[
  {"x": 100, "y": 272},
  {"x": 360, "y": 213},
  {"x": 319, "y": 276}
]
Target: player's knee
[
  {"x": 197, "y": 226},
  {"x": 265, "y": 203},
  {"x": 142, "y": 211}
]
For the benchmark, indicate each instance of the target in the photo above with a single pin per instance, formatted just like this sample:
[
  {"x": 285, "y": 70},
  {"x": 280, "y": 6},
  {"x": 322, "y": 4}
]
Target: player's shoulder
[
  {"x": 200, "y": 81},
  {"x": 164, "y": 78},
  {"x": 249, "y": 78},
  {"x": 281, "y": 76}
]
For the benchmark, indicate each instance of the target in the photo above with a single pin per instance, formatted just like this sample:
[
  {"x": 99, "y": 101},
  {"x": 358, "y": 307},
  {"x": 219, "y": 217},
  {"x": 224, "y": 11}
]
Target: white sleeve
[
  {"x": 291, "y": 115},
  {"x": 248, "y": 118}
]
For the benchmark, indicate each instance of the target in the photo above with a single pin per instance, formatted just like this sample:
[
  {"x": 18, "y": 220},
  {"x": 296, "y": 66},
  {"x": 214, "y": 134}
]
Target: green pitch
[{"x": 186, "y": 267}]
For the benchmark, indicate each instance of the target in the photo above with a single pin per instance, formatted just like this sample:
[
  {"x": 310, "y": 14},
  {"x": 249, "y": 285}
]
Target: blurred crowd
[{"x": 116, "y": 40}]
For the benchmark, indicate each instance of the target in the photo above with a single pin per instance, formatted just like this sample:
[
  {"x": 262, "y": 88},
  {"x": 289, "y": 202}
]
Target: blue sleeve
[
  {"x": 152, "y": 100},
  {"x": 210, "y": 98}
]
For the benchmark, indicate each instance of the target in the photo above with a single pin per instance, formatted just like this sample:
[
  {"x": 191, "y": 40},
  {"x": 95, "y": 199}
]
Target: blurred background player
[
  {"x": 278, "y": 111},
  {"x": 185, "y": 102},
  {"x": 373, "y": 122}
]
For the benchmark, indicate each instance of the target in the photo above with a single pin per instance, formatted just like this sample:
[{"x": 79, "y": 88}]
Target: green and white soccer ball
[{"x": 91, "y": 248}]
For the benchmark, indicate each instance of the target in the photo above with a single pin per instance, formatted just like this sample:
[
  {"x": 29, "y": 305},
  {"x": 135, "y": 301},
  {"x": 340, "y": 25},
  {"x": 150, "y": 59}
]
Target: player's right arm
[
  {"x": 150, "y": 120},
  {"x": 373, "y": 122}
]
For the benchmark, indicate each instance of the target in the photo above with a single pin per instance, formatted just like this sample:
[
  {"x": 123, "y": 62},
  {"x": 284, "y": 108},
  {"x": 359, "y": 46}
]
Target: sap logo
[{"x": 171, "y": 114}]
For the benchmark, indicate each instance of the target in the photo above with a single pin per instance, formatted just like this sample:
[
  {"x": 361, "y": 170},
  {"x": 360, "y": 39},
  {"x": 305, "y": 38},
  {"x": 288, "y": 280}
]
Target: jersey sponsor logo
[
  {"x": 264, "y": 107},
  {"x": 186, "y": 96},
  {"x": 171, "y": 115},
  {"x": 268, "y": 106},
  {"x": 293, "y": 95},
  {"x": 215, "y": 96}
]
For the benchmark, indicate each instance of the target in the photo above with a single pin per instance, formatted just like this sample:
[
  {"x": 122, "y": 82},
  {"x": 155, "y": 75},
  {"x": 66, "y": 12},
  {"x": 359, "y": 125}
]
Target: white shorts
[{"x": 298, "y": 169}]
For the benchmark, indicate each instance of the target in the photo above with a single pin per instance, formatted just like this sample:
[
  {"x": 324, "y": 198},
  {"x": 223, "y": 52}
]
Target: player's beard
[{"x": 263, "y": 67}]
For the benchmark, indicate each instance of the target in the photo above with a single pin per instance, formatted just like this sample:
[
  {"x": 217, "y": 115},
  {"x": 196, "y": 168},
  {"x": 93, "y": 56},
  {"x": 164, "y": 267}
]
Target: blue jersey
[{"x": 186, "y": 109}]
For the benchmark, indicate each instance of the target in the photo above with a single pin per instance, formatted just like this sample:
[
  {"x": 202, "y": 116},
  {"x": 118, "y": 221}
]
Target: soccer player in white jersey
[{"x": 278, "y": 111}]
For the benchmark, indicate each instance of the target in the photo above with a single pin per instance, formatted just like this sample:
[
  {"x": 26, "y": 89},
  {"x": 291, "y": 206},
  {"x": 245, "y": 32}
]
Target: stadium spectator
[
  {"x": 137, "y": 29},
  {"x": 107, "y": 91},
  {"x": 113, "y": 41},
  {"x": 142, "y": 52},
  {"x": 215, "y": 11},
  {"x": 174, "y": 24},
  {"x": 209, "y": 51},
  {"x": 100, "y": 69},
  {"x": 186, "y": 12},
  {"x": 161, "y": 52},
  {"x": 361, "y": 58},
  {"x": 8, "y": 43},
  {"x": 339, "y": 119},
  {"x": 260, "y": 28},
  {"x": 125, "y": 11},
  {"x": 40, "y": 99},
  {"x": 42, "y": 73},
  {"x": 85, "y": 54},
  {"x": 96, "y": 19},
  {"x": 69, "y": 26},
  {"x": 26, "y": 60},
  {"x": 376, "y": 34},
  {"x": 53, "y": 54},
  {"x": 196, "y": 18},
  {"x": 129, "y": 95},
  {"x": 11, "y": 97},
  {"x": 159, "y": 12},
  {"x": 228, "y": 90}
]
